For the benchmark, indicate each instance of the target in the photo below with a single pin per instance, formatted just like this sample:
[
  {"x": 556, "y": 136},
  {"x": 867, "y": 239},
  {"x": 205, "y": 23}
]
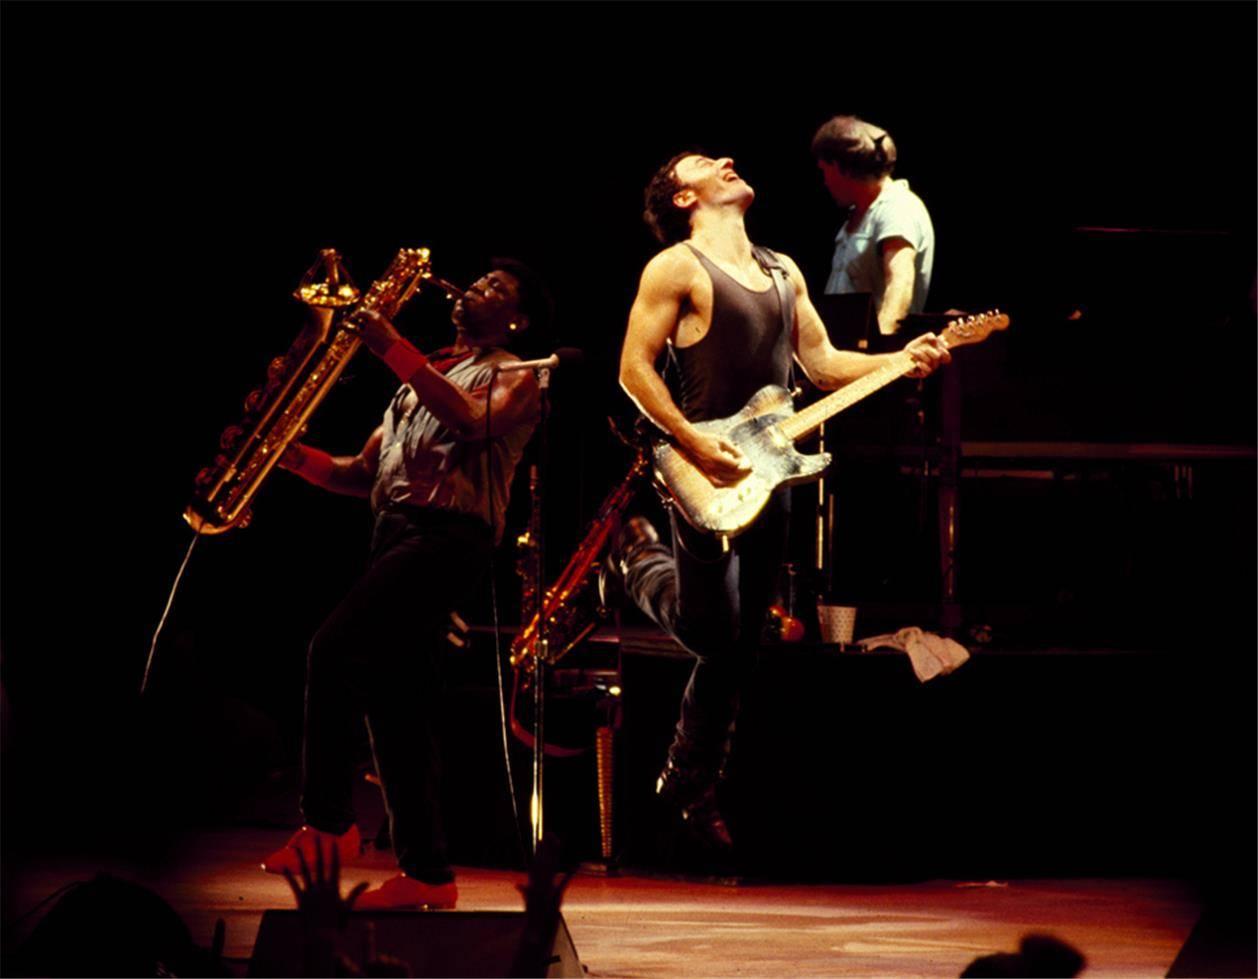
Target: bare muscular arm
[
  {"x": 515, "y": 401},
  {"x": 830, "y": 368},
  {"x": 900, "y": 274},
  {"x": 663, "y": 292},
  {"x": 515, "y": 394},
  {"x": 349, "y": 475}
]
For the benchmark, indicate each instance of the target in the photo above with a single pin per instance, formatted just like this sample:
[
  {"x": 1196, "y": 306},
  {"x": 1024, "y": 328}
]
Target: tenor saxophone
[
  {"x": 570, "y": 611},
  {"x": 276, "y": 414}
]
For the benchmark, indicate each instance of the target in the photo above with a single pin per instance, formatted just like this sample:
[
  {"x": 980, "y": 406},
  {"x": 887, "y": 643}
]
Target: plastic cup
[{"x": 838, "y": 623}]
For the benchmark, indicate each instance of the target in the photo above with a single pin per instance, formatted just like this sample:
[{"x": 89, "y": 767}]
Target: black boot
[
  {"x": 636, "y": 535},
  {"x": 694, "y": 797}
]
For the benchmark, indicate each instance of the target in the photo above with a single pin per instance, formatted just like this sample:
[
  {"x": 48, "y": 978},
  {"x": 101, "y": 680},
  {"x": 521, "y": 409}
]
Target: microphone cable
[
  {"x": 170, "y": 600},
  {"x": 493, "y": 602}
]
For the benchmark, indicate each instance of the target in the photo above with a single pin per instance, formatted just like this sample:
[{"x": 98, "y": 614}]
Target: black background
[{"x": 171, "y": 170}]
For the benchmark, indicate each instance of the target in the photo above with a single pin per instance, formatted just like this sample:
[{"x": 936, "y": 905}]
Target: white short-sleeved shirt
[{"x": 857, "y": 264}]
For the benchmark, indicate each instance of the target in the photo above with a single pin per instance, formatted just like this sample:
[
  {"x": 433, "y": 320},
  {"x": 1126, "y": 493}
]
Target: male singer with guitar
[{"x": 732, "y": 315}]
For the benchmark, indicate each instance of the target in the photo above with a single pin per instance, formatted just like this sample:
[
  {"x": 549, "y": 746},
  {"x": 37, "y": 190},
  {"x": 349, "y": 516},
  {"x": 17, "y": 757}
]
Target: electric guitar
[{"x": 765, "y": 432}]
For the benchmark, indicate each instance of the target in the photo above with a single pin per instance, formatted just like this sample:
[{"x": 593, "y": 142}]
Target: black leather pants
[
  {"x": 377, "y": 658},
  {"x": 713, "y": 601}
]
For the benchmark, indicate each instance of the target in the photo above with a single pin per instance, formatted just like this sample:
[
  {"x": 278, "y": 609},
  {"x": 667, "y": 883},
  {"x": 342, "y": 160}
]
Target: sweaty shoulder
[{"x": 671, "y": 270}]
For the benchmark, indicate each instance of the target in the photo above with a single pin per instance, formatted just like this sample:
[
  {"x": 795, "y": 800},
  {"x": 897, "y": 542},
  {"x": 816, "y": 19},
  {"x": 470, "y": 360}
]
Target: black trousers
[
  {"x": 377, "y": 658},
  {"x": 713, "y": 601}
]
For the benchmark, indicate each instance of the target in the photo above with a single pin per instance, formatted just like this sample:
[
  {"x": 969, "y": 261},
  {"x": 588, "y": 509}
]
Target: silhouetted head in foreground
[
  {"x": 1037, "y": 956},
  {"x": 109, "y": 927}
]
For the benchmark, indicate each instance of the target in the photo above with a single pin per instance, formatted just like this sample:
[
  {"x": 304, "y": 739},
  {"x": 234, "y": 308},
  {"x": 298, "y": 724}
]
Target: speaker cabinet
[{"x": 432, "y": 943}]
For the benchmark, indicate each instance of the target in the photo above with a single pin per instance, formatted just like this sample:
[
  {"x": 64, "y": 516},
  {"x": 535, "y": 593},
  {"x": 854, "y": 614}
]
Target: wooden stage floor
[{"x": 636, "y": 926}]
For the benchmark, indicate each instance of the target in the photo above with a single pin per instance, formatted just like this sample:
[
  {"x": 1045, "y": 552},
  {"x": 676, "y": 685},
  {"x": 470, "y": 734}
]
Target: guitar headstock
[{"x": 974, "y": 329}]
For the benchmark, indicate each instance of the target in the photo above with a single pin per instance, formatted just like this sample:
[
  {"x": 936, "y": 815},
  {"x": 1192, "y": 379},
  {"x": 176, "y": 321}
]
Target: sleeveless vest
[{"x": 747, "y": 346}]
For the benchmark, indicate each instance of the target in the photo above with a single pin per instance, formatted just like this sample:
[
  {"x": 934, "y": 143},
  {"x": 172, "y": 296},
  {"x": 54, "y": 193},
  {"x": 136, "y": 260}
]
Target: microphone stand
[{"x": 541, "y": 656}]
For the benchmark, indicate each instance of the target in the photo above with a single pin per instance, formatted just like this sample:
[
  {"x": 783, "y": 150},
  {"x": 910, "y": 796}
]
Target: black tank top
[{"x": 745, "y": 348}]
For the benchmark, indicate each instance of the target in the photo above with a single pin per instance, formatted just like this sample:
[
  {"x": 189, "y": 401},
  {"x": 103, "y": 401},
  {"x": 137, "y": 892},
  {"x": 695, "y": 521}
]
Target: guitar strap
[{"x": 769, "y": 261}]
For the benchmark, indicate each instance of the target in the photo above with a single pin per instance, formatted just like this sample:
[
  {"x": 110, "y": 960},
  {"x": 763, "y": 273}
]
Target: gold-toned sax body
[
  {"x": 571, "y": 612},
  {"x": 276, "y": 414}
]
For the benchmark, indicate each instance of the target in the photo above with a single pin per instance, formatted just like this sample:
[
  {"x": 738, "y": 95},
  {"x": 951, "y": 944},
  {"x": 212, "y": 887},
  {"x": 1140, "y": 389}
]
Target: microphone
[{"x": 564, "y": 356}]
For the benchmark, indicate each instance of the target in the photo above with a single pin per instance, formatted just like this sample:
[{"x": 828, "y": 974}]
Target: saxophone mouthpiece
[{"x": 449, "y": 288}]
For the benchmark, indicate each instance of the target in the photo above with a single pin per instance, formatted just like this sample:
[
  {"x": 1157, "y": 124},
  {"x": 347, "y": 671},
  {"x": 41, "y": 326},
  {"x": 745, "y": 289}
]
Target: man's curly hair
[
  {"x": 668, "y": 222},
  {"x": 861, "y": 150}
]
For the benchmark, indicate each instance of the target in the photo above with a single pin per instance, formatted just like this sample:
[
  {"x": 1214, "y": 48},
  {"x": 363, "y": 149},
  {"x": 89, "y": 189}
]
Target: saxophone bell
[
  {"x": 277, "y": 412},
  {"x": 327, "y": 283}
]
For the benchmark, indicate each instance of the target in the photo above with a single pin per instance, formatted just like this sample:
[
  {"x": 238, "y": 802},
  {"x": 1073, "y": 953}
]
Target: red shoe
[
  {"x": 406, "y": 892},
  {"x": 348, "y": 845}
]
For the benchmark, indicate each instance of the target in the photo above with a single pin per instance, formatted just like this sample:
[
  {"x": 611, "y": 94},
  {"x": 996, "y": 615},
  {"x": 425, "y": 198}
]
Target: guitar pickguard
[{"x": 775, "y": 462}]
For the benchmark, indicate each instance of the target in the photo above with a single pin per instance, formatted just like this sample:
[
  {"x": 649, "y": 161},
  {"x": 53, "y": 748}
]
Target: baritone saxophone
[{"x": 276, "y": 413}]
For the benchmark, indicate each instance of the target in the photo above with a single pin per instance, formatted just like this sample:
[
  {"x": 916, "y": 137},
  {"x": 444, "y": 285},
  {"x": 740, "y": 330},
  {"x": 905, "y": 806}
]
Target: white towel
[{"x": 930, "y": 654}]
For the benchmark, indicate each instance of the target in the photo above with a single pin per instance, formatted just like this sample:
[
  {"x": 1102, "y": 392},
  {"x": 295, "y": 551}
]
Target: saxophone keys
[
  {"x": 230, "y": 437},
  {"x": 254, "y": 400}
]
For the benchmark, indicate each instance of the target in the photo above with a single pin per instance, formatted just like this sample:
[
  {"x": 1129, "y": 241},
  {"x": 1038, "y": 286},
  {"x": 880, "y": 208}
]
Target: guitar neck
[{"x": 807, "y": 420}]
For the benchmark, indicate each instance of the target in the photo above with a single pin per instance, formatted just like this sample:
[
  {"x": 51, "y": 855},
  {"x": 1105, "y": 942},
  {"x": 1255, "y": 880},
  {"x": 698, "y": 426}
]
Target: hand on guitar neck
[{"x": 929, "y": 353}]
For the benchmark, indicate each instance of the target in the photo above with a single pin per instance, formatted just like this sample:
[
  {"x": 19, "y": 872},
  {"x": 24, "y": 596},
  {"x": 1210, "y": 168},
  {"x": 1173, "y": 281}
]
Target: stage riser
[
  {"x": 438, "y": 943},
  {"x": 846, "y": 767}
]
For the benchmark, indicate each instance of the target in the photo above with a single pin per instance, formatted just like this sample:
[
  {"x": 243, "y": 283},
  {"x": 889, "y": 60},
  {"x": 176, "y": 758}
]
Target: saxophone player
[{"x": 438, "y": 489}]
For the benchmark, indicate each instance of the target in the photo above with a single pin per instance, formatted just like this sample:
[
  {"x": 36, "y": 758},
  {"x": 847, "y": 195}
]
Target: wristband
[
  {"x": 403, "y": 359},
  {"x": 315, "y": 466}
]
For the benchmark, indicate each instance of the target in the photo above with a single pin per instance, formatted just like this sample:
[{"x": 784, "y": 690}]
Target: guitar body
[
  {"x": 765, "y": 432},
  {"x": 729, "y": 510}
]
